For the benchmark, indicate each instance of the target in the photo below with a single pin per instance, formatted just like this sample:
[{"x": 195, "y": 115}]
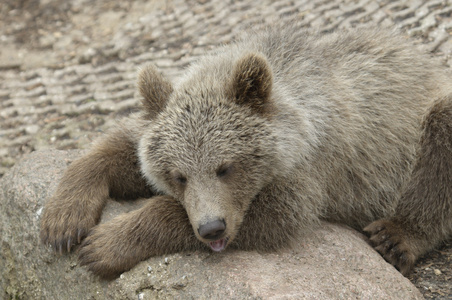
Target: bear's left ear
[{"x": 252, "y": 83}]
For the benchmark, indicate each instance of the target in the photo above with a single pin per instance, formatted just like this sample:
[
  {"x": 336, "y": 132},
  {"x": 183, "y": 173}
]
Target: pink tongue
[{"x": 218, "y": 246}]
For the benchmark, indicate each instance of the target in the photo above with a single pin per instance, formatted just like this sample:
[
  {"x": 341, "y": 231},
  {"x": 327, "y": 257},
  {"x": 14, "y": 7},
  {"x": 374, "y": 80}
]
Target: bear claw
[
  {"x": 61, "y": 233},
  {"x": 393, "y": 245}
]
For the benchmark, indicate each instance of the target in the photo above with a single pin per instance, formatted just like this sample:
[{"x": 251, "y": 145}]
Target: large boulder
[{"x": 333, "y": 262}]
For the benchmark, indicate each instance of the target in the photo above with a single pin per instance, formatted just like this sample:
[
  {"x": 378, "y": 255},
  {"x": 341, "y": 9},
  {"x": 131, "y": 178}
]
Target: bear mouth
[{"x": 218, "y": 245}]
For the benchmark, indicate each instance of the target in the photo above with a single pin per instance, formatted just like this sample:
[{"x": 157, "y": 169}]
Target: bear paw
[
  {"x": 393, "y": 243},
  {"x": 108, "y": 251},
  {"x": 62, "y": 228}
]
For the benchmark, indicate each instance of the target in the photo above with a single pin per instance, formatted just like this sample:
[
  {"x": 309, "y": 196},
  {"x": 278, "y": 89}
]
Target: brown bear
[{"x": 259, "y": 141}]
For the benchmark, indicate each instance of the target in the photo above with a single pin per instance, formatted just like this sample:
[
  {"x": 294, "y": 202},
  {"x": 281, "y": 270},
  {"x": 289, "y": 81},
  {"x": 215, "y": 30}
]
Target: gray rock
[{"x": 333, "y": 262}]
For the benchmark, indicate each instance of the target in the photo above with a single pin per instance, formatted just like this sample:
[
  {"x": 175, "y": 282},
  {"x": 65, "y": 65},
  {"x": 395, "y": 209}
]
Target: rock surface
[{"x": 333, "y": 262}]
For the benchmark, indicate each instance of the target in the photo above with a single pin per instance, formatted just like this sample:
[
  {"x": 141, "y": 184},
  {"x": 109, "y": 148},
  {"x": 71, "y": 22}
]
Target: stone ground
[{"x": 68, "y": 68}]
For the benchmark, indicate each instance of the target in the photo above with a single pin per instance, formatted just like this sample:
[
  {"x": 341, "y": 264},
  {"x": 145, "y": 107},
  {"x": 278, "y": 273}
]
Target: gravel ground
[{"x": 68, "y": 68}]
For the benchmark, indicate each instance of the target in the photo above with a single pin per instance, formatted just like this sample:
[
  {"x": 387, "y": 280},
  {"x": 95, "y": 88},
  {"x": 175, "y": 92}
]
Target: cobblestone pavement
[{"x": 68, "y": 68}]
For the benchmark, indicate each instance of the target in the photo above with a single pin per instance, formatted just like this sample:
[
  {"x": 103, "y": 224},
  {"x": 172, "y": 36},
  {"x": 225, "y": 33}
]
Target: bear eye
[
  {"x": 179, "y": 178},
  {"x": 224, "y": 170}
]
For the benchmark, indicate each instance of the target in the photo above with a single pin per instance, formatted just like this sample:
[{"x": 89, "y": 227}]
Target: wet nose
[{"x": 212, "y": 230}]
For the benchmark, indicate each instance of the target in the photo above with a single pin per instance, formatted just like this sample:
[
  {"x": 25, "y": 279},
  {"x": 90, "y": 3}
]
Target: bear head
[{"x": 208, "y": 140}]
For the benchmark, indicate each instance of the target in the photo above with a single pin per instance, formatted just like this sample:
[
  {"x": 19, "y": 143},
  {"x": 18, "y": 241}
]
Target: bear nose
[{"x": 212, "y": 230}]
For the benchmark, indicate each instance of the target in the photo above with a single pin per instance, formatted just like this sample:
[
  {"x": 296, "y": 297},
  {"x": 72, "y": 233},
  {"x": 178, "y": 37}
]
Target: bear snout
[{"x": 212, "y": 230}]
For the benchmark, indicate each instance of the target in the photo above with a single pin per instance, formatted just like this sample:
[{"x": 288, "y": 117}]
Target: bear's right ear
[{"x": 155, "y": 90}]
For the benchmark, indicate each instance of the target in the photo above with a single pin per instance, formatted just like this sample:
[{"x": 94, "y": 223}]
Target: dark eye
[
  {"x": 224, "y": 170},
  {"x": 179, "y": 178}
]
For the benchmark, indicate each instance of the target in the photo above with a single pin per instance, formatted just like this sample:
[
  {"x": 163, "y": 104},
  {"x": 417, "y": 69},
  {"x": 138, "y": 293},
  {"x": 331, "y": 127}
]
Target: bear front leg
[
  {"x": 110, "y": 169},
  {"x": 76, "y": 205},
  {"x": 423, "y": 216},
  {"x": 160, "y": 227}
]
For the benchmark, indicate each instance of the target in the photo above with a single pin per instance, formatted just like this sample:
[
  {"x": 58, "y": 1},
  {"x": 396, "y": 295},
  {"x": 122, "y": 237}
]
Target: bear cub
[{"x": 260, "y": 140}]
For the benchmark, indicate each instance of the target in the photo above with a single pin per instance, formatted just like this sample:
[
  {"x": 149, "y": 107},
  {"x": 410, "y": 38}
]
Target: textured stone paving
[
  {"x": 66, "y": 107},
  {"x": 88, "y": 80}
]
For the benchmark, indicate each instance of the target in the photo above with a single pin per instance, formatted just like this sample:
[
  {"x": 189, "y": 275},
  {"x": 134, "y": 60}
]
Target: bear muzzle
[{"x": 214, "y": 231}]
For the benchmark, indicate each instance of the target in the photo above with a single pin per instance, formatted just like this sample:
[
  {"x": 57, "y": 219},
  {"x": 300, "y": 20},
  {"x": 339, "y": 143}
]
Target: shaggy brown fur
[
  {"x": 262, "y": 139},
  {"x": 423, "y": 216}
]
